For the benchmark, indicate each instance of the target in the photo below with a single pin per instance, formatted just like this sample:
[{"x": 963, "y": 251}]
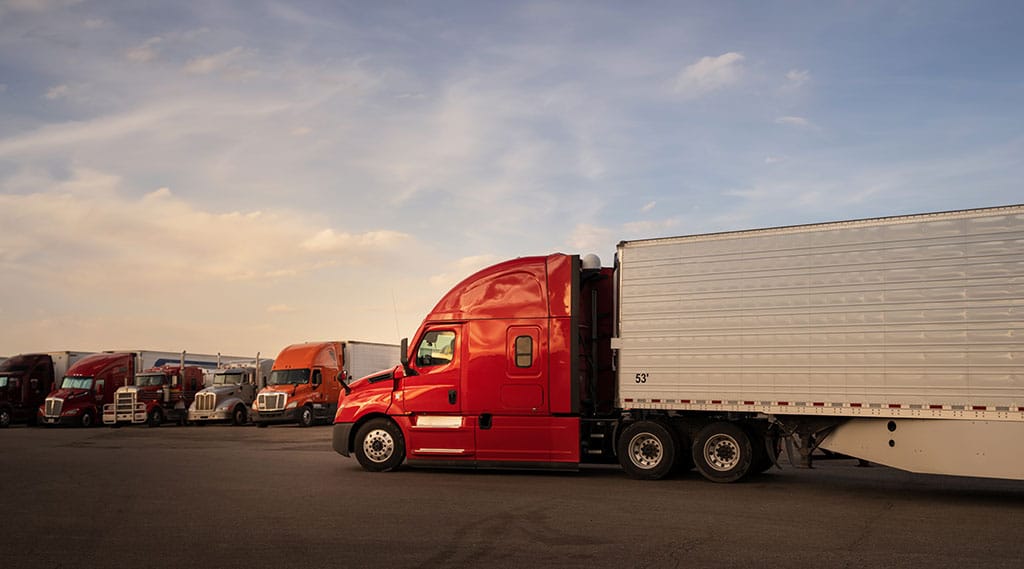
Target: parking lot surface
[{"x": 226, "y": 497}]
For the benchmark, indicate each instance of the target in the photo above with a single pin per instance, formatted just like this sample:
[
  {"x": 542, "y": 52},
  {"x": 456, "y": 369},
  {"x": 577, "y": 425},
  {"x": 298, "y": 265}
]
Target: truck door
[
  {"x": 511, "y": 396},
  {"x": 433, "y": 397}
]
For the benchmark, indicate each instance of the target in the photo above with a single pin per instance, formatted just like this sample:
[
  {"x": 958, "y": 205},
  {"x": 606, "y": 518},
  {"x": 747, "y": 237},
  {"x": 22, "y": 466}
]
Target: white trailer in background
[
  {"x": 897, "y": 340},
  {"x": 363, "y": 358}
]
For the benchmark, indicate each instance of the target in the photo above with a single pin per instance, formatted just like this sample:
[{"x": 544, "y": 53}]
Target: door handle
[{"x": 452, "y": 394}]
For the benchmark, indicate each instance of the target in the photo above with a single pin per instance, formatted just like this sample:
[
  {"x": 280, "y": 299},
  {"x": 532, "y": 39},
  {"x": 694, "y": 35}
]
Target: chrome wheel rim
[
  {"x": 722, "y": 452},
  {"x": 645, "y": 451},
  {"x": 378, "y": 445}
]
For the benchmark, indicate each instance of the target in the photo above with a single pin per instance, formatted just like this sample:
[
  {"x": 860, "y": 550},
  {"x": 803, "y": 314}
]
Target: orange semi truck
[{"x": 307, "y": 380}]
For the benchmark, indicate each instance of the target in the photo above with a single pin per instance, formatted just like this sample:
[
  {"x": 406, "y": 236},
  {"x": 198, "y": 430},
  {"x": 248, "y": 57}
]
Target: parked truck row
[
  {"x": 153, "y": 387},
  {"x": 894, "y": 340}
]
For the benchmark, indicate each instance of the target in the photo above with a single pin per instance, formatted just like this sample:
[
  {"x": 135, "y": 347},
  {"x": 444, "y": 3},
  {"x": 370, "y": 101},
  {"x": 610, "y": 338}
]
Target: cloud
[
  {"x": 36, "y": 5},
  {"x": 280, "y": 308},
  {"x": 58, "y": 92},
  {"x": 648, "y": 206},
  {"x": 709, "y": 74},
  {"x": 144, "y": 53},
  {"x": 799, "y": 122},
  {"x": 328, "y": 240},
  {"x": 159, "y": 239},
  {"x": 796, "y": 78},
  {"x": 223, "y": 61}
]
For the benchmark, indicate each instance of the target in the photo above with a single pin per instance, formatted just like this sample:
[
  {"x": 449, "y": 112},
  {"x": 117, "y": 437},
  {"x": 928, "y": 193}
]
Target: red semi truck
[
  {"x": 156, "y": 395},
  {"x": 91, "y": 383},
  {"x": 25, "y": 380},
  {"x": 894, "y": 340}
]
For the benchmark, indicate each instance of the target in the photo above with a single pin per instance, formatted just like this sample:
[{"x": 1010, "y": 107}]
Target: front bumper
[
  {"x": 215, "y": 415},
  {"x": 273, "y": 417},
  {"x": 340, "y": 438}
]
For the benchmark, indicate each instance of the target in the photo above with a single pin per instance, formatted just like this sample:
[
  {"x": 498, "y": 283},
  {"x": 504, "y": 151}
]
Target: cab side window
[{"x": 436, "y": 348}]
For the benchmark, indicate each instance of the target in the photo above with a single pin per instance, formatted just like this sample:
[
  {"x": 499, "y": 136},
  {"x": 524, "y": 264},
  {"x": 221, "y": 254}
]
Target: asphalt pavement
[{"x": 241, "y": 497}]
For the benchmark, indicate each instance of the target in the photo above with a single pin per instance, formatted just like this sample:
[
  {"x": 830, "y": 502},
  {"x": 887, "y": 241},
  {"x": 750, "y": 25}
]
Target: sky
[{"x": 238, "y": 176}]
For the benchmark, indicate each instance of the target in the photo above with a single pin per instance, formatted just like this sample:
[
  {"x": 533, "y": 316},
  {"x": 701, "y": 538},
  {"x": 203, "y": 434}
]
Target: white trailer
[
  {"x": 896, "y": 340},
  {"x": 363, "y": 358}
]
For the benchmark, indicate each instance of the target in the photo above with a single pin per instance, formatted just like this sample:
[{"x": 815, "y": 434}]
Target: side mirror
[{"x": 404, "y": 356}]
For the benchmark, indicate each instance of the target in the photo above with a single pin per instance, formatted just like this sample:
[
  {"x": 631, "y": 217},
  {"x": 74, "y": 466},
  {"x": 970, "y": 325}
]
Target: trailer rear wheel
[
  {"x": 380, "y": 446},
  {"x": 5, "y": 418},
  {"x": 647, "y": 450},
  {"x": 722, "y": 452},
  {"x": 238, "y": 415}
]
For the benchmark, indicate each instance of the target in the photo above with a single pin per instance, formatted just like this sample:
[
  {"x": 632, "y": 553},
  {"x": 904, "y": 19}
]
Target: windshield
[
  {"x": 229, "y": 378},
  {"x": 149, "y": 379},
  {"x": 76, "y": 383},
  {"x": 288, "y": 377}
]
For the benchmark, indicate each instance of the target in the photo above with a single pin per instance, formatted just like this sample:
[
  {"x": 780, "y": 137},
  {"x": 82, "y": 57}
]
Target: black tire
[
  {"x": 156, "y": 418},
  {"x": 262, "y": 425},
  {"x": 238, "y": 416},
  {"x": 647, "y": 450},
  {"x": 684, "y": 460},
  {"x": 87, "y": 419},
  {"x": 380, "y": 446},
  {"x": 765, "y": 444},
  {"x": 722, "y": 452},
  {"x": 5, "y": 417},
  {"x": 306, "y": 417}
]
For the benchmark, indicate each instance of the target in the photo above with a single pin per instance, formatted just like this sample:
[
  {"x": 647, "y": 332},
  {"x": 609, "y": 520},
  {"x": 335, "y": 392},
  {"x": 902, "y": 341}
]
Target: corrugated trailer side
[
  {"x": 364, "y": 358},
  {"x": 914, "y": 316},
  {"x": 895, "y": 340}
]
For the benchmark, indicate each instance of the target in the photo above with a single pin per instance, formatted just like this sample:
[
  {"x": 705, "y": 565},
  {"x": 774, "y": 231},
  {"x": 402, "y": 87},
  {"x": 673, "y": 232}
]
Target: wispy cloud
[
  {"x": 801, "y": 122},
  {"x": 709, "y": 74},
  {"x": 57, "y": 92}
]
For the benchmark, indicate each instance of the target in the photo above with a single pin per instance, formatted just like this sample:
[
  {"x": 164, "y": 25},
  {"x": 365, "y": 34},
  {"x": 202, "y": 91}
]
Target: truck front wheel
[
  {"x": 647, "y": 450},
  {"x": 238, "y": 415},
  {"x": 5, "y": 417},
  {"x": 306, "y": 417},
  {"x": 86, "y": 420},
  {"x": 722, "y": 452},
  {"x": 380, "y": 446},
  {"x": 156, "y": 418}
]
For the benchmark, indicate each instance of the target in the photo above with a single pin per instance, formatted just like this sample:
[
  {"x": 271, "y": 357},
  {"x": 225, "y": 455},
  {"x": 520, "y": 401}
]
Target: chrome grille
[
  {"x": 206, "y": 401},
  {"x": 124, "y": 401},
  {"x": 270, "y": 401},
  {"x": 53, "y": 407}
]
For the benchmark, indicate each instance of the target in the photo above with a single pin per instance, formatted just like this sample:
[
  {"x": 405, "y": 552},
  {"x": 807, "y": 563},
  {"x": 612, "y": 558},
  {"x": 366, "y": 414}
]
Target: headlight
[{"x": 291, "y": 405}]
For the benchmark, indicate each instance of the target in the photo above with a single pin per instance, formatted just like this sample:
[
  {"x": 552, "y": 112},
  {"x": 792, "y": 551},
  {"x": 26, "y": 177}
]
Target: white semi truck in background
[{"x": 230, "y": 391}]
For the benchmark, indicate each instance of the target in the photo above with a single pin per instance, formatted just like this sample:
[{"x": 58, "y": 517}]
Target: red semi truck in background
[
  {"x": 25, "y": 380},
  {"x": 893, "y": 340},
  {"x": 156, "y": 395},
  {"x": 307, "y": 379},
  {"x": 92, "y": 382}
]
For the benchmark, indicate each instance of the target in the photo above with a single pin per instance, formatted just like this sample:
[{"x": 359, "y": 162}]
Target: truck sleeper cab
[
  {"x": 496, "y": 377},
  {"x": 88, "y": 385}
]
